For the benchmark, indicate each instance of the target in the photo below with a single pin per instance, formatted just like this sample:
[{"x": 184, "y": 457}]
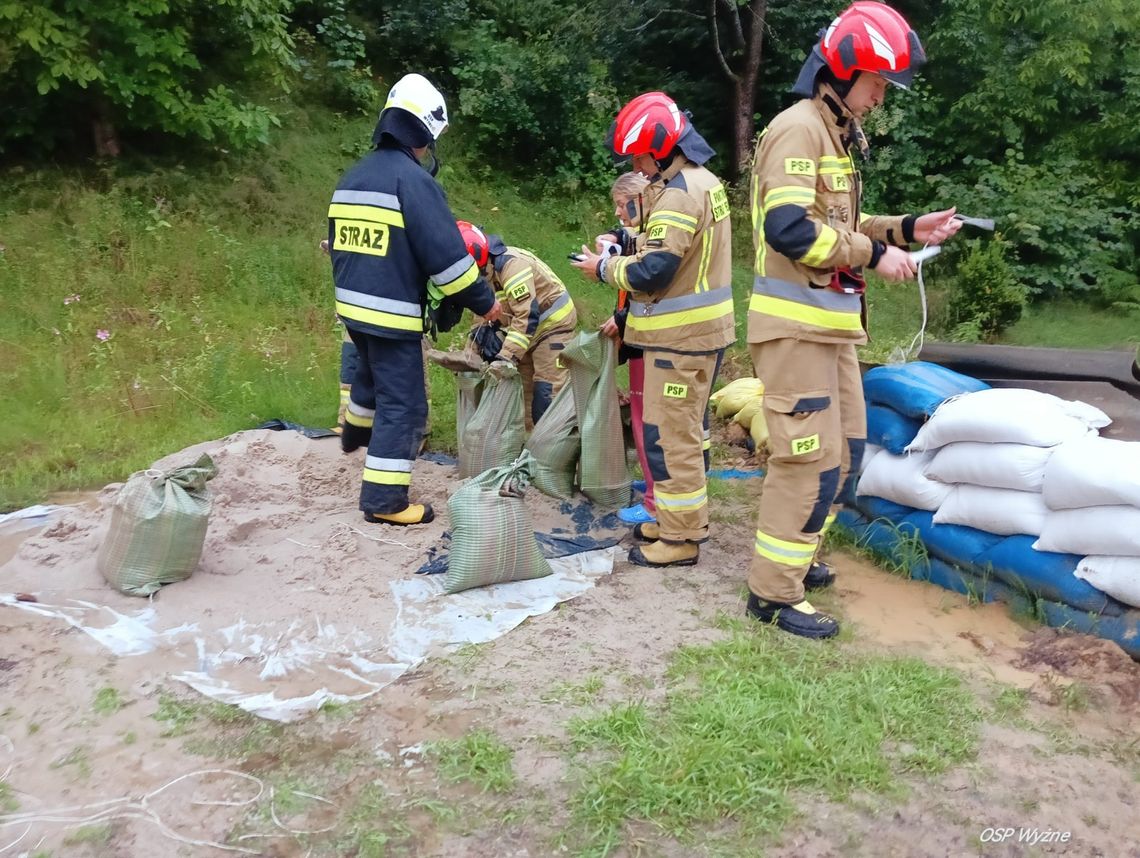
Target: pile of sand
[{"x": 296, "y": 598}]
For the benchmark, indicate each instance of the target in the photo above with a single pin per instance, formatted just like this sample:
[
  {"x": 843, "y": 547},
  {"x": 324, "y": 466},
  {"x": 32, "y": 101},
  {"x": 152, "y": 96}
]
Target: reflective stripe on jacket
[
  {"x": 390, "y": 233},
  {"x": 535, "y": 303},
  {"x": 806, "y": 223},
  {"x": 680, "y": 277}
]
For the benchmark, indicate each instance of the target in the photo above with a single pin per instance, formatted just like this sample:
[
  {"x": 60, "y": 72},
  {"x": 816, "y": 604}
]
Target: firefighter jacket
[
  {"x": 535, "y": 303},
  {"x": 806, "y": 225},
  {"x": 393, "y": 240},
  {"x": 680, "y": 274}
]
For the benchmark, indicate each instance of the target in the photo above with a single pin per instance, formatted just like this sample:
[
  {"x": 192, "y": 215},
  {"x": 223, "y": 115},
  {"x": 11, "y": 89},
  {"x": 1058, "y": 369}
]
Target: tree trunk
[
  {"x": 103, "y": 131},
  {"x": 744, "y": 131}
]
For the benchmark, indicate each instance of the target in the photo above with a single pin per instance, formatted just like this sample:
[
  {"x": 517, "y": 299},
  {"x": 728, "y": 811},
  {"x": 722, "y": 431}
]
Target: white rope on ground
[
  {"x": 126, "y": 808},
  {"x": 373, "y": 538}
]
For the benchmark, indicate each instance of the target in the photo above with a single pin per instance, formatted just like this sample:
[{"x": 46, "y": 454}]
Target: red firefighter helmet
[
  {"x": 475, "y": 240},
  {"x": 872, "y": 37},
  {"x": 650, "y": 124}
]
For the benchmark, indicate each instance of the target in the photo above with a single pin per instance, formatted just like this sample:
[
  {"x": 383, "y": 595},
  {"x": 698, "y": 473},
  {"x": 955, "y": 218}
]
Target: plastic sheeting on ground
[{"x": 312, "y": 660}]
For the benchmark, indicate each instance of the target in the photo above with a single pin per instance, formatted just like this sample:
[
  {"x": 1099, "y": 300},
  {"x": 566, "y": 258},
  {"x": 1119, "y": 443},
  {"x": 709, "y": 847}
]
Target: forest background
[{"x": 167, "y": 166}]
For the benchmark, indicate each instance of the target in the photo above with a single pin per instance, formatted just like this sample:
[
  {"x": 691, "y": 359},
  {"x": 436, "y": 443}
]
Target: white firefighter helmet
[{"x": 416, "y": 94}]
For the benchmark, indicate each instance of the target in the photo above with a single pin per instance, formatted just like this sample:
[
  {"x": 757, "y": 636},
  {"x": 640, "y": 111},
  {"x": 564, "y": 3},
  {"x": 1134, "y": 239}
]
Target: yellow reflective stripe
[
  {"x": 706, "y": 255},
  {"x": 819, "y": 251},
  {"x": 461, "y": 282},
  {"x": 556, "y": 317},
  {"x": 519, "y": 339},
  {"x": 349, "y": 211},
  {"x": 666, "y": 223},
  {"x": 758, "y": 225},
  {"x": 615, "y": 270},
  {"x": 836, "y": 165},
  {"x": 379, "y": 318},
  {"x": 784, "y": 552},
  {"x": 827, "y": 522},
  {"x": 387, "y": 478},
  {"x": 706, "y": 444},
  {"x": 680, "y": 217},
  {"x": 523, "y": 275},
  {"x": 357, "y": 420},
  {"x": 796, "y": 312},
  {"x": 680, "y": 501},
  {"x": 789, "y": 195},
  {"x": 682, "y": 317}
]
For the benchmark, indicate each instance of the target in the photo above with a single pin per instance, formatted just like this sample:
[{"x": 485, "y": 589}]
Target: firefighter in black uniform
[{"x": 400, "y": 268}]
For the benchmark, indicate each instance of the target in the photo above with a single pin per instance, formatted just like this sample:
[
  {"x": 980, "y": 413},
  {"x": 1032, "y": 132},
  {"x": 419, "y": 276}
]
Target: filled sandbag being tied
[
  {"x": 556, "y": 445},
  {"x": 492, "y": 532},
  {"x": 493, "y": 435},
  {"x": 742, "y": 401},
  {"x": 602, "y": 473}
]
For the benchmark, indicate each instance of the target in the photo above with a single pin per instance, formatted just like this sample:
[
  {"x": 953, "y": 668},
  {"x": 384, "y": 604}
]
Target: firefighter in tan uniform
[
  {"x": 678, "y": 272},
  {"x": 806, "y": 314},
  {"x": 538, "y": 316}
]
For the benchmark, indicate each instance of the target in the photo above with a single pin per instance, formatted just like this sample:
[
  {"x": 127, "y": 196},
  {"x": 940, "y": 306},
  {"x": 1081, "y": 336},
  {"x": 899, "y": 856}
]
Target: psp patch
[
  {"x": 657, "y": 231},
  {"x": 803, "y": 446},
  {"x": 799, "y": 166},
  {"x": 676, "y": 391}
]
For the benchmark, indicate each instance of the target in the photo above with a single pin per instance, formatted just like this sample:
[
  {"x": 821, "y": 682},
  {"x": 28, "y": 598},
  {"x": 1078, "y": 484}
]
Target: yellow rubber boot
[
  {"x": 413, "y": 513},
  {"x": 647, "y": 531},
  {"x": 665, "y": 554}
]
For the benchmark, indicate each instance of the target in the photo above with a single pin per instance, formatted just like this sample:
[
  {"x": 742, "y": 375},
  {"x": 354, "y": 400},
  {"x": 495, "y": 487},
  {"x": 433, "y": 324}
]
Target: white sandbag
[
  {"x": 869, "y": 452},
  {"x": 1005, "y": 512},
  {"x": 1093, "y": 471},
  {"x": 1008, "y": 416},
  {"x": 1117, "y": 576},
  {"x": 1092, "y": 530},
  {"x": 900, "y": 479},
  {"x": 999, "y": 466}
]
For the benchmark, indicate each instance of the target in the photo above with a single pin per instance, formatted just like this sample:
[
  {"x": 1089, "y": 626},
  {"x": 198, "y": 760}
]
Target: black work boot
[
  {"x": 354, "y": 437},
  {"x": 799, "y": 619},
  {"x": 818, "y": 577}
]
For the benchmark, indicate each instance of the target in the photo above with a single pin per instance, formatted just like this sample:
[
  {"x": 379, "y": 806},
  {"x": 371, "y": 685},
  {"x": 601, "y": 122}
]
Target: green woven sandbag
[
  {"x": 469, "y": 387},
  {"x": 492, "y": 534},
  {"x": 494, "y": 434},
  {"x": 602, "y": 471},
  {"x": 555, "y": 446},
  {"x": 158, "y": 527}
]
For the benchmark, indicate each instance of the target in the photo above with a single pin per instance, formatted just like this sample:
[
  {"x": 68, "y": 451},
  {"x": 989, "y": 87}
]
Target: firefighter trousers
[
  {"x": 675, "y": 398},
  {"x": 348, "y": 361},
  {"x": 817, "y": 420},
  {"x": 543, "y": 374},
  {"x": 388, "y": 394}
]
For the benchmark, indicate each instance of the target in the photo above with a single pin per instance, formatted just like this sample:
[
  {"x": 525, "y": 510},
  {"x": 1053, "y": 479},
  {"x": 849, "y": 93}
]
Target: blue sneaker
[
  {"x": 638, "y": 486},
  {"x": 636, "y": 514}
]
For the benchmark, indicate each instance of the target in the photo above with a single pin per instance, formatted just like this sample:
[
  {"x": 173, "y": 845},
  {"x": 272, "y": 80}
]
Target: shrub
[{"x": 986, "y": 297}]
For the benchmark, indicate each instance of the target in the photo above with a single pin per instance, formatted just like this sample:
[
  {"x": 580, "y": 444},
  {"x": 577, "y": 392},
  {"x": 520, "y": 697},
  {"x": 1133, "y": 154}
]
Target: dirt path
[{"x": 1058, "y": 749}]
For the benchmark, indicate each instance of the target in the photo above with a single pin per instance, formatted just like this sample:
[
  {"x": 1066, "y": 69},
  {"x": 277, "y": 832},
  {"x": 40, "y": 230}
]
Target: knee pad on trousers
[
  {"x": 857, "y": 447},
  {"x": 540, "y": 399},
  {"x": 828, "y": 487},
  {"x": 651, "y": 436}
]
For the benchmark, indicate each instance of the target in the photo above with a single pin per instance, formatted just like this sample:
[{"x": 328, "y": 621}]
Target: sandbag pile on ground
[
  {"x": 970, "y": 485},
  {"x": 1091, "y": 488},
  {"x": 742, "y": 401}
]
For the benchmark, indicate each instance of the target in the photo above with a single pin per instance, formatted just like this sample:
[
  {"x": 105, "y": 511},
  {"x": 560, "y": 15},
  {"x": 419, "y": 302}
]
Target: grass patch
[
  {"x": 107, "y": 701},
  {"x": 570, "y": 694},
  {"x": 8, "y": 801},
  {"x": 755, "y": 718},
  {"x": 371, "y": 827},
  {"x": 479, "y": 757},
  {"x": 235, "y": 735},
  {"x": 90, "y": 835}
]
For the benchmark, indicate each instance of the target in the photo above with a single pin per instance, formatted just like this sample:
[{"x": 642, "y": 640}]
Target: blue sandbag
[
  {"x": 889, "y": 429},
  {"x": 916, "y": 389},
  {"x": 954, "y": 543},
  {"x": 1123, "y": 629},
  {"x": 875, "y": 507},
  {"x": 1046, "y": 574}
]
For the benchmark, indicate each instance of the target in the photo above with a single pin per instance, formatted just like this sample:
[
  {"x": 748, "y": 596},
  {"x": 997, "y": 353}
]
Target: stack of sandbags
[
  {"x": 1091, "y": 488},
  {"x": 742, "y": 401},
  {"x": 899, "y": 398},
  {"x": 992, "y": 448}
]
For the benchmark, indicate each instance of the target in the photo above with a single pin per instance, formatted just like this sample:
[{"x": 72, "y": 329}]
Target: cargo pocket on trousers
[{"x": 795, "y": 425}]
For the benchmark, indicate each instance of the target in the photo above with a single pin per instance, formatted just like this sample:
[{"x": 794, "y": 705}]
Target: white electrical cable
[{"x": 900, "y": 355}]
